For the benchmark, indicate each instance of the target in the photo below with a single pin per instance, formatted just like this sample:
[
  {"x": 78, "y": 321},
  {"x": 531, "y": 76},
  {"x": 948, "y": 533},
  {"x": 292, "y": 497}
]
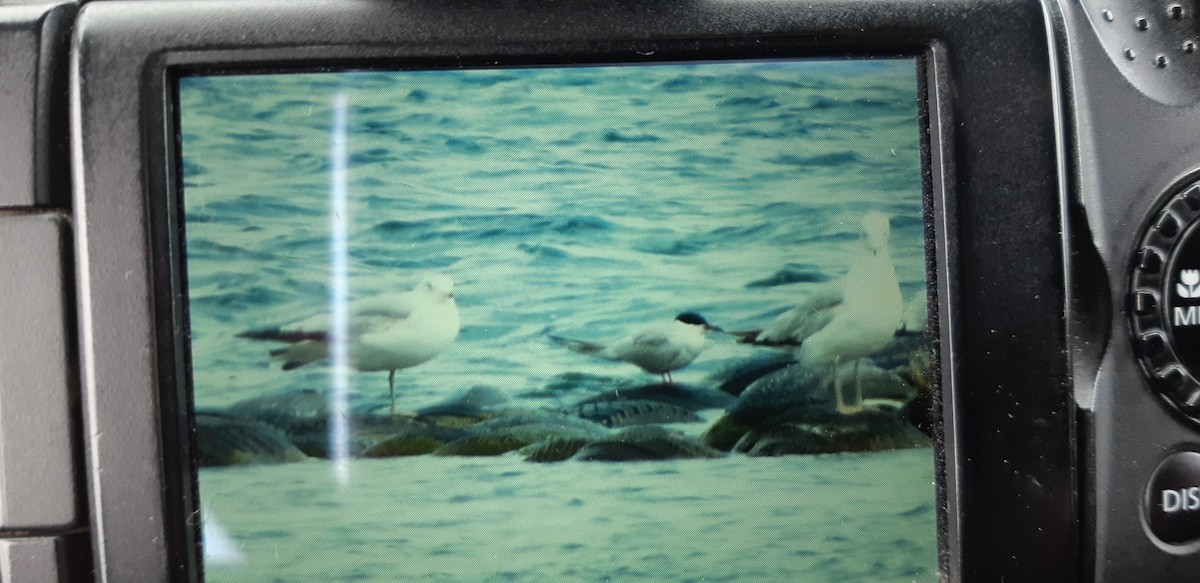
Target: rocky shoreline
[{"x": 765, "y": 406}]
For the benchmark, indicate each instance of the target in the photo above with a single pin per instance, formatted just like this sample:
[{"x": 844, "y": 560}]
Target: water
[
  {"x": 793, "y": 518},
  {"x": 577, "y": 202}
]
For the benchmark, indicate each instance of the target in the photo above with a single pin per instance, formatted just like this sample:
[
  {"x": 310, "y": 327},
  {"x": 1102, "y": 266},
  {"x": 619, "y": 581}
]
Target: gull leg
[
  {"x": 392, "y": 389},
  {"x": 667, "y": 378},
  {"x": 842, "y": 406},
  {"x": 837, "y": 387},
  {"x": 858, "y": 396}
]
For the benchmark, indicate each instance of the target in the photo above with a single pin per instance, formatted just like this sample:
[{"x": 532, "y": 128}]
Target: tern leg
[{"x": 392, "y": 389}]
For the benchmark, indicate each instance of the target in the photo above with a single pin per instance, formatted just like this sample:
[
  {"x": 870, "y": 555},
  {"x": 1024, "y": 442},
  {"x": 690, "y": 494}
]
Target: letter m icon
[{"x": 1186, "y": 316}]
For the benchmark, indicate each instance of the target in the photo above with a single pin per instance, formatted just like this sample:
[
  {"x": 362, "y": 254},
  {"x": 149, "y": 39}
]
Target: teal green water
[
  {"x": 836, "y": 519},
  {"x": 580, "y": 202}
]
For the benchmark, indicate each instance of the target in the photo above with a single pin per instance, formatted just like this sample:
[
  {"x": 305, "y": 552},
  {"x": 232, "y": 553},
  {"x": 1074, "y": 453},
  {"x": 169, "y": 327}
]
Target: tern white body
[{"x": 658, "y": 348}]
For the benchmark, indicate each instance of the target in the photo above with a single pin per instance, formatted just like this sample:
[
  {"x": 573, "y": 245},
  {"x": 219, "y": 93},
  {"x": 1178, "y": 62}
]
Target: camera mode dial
[{"x": 1165, "y": 301}]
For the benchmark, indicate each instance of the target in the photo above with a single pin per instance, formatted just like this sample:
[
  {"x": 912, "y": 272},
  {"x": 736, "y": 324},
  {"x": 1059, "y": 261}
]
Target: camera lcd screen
[{"x": 652, "y": 322}]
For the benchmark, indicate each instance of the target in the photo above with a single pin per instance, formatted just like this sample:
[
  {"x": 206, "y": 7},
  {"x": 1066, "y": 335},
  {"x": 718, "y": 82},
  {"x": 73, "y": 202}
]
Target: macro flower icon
[{"x": 1189, "y": 286}]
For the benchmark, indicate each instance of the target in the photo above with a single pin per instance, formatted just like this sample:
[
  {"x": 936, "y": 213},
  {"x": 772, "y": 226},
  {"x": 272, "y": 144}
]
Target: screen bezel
[{"x": 992, "y": 173}]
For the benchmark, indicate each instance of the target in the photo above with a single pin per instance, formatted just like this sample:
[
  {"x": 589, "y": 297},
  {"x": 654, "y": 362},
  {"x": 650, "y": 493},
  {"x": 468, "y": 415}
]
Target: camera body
[{"x": 1064, "y": 193}]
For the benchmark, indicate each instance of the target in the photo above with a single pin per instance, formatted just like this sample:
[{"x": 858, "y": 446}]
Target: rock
[
  {"x": 283, "y": 408},
  {"x": 484, "y": 445},
  {"x": 228, "y": 441},
  {"x": 388, "y": 436},
  {"x": 477, "y": 401},
  {"x": 375, "y": 429},
  {"x": 736, "y": 377},
  {"x": 557, "y": 422},
  {"x": 368, "y": 431},
  {"x": 626, "y": 413},
  {"x": 726, "y": 432},
  {"x": 649, "y": 442},
  {"x": 553, "y": 450},
  {"x": 688, "y": 397},
  {"x": 869, "y": 430},
  {"x": 503, "y": 435},
  {"x": 791, "y": 387},
  {"x": 570, "y": 383},
  {"x": 404, "y": 445},
  {"x": 788, "y": 392}
]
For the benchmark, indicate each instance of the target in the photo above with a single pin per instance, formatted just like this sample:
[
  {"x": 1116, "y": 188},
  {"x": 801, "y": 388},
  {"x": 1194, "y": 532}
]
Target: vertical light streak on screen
[{"x": 339, "y": 353}]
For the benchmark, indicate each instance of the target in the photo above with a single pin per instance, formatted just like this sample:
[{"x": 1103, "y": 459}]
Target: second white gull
[{"x": 849, "y": 319}]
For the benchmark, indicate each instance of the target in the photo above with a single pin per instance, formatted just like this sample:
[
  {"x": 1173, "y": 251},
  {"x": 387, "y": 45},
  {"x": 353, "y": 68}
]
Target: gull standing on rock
[
  {"x": 386, "y": 332},
  {"x": 852, "y": 318},
  {"x": 657, "y": 349}
]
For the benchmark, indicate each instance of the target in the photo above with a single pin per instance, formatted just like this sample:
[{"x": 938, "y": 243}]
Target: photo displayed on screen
[{"x": 655, "y": 322}]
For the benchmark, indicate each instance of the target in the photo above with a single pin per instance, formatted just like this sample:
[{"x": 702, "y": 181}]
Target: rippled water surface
[{"x": 579, "y": 202}]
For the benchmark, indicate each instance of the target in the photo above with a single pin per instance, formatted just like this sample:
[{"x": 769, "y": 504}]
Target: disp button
[{"x": 1172, "y": 499}]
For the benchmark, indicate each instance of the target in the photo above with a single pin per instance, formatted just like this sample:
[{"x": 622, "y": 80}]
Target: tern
[
  {"x": 385, "y": 332},
  {"x": 657, "y": 349},
  {"x": 850, "y": 319}
]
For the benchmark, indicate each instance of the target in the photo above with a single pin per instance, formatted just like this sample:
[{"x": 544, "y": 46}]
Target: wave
[
  {"x": 465, "y": 146},
  {"x": 198, "y": 248},
  {"x": 488, "y": 227},
  {"x": 619, "y": 137},
  {"x": 263, "y": 205},
  {"x": 694, "y": 157},
  {"x": 386, "y": 259},
  {"x": 755, "y": 103},
  {"x": 240, "y": 300},
  {"x": 371, "y": 156},
  {"x": 696, "y": 243},
  {"x": 831, "y": 159},
  {"x": 543, "y": 251},
  {"x": 792, "y": 273}
]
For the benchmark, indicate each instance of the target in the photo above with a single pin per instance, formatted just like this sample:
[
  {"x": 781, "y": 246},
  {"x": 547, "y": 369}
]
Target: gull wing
[
  {"x": 804, "y": 320},
  {"x": 367, "y": 315}
]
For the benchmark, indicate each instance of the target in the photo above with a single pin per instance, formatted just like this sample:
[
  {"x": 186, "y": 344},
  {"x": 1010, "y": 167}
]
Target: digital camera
[{"x": 405, "y": 290}]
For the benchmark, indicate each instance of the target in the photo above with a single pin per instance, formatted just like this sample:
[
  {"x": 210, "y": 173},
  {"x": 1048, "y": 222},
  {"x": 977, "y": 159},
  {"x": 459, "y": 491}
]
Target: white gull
[
  {"x": 385, "y": 332},
  {"x": 849, "y": 319}
]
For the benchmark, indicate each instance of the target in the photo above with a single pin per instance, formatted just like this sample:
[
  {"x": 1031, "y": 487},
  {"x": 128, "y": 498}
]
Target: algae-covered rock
[
  {"x": 281, "y": 409},
  {"x": 642, "y": 443},
  {"x": 228, "y": 441},
  {"x": 503, "y": 439},
  {"x": 575, "y": 383},
  {"x": 679, "y": 395},
  {"x": 737, "y": 376},
  {"x": 404, "y": 445},
  {"x": 626, "y": 413},
  {"x": 474, "y": 404},
  {"x": 558, "y": 422},
  {"x": 483, "y": 445},
  {"x": 553, "y": 450},
  {"x": 869, "y": 430}
]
